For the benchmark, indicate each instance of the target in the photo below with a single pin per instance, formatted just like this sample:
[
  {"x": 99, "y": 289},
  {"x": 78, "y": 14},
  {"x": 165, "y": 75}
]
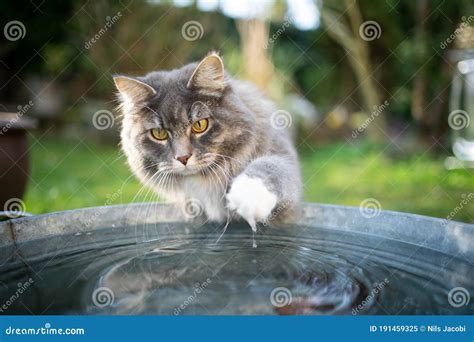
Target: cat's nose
[{"x": 184, "y": 159}]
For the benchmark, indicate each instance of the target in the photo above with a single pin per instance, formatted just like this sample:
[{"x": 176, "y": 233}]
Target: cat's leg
[{"x": 269, "y": 187}]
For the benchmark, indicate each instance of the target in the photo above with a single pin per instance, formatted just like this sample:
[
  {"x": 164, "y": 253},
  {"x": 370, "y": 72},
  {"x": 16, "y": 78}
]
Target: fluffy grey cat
[{"x": 196, "y": 135}]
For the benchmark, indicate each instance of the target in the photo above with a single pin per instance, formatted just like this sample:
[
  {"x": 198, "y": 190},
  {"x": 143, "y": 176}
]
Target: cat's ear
[
  {"x": 133, "y": 90},
  {"x": 208, "y": 78}
]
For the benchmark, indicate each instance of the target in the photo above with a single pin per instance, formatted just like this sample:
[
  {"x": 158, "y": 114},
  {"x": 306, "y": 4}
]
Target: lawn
[{"x": 76, "y": 173}]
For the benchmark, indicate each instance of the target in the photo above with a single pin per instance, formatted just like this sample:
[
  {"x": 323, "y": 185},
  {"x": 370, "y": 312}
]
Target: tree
[{"x": 346, "y": 33}]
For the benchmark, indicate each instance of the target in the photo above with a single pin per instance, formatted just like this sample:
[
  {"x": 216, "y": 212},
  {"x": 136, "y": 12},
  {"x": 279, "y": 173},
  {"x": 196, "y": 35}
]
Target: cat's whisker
[
  {"x": 248, "y": 137},
  {"x": 152, "y": 165},
  {"x": 222, "y": 182},
  {"x": 163, "y": 180},
  {"x": 225, "y": 227},
  {"x": 203, "y": 166},
  {"x": 224, "y": 156},
  {"x": 223, "y": 167},
  {"x": 226, "y": 177},
  {"x": 225, "y": 172},
  {"x": 214, "y": 169},
  {"x": 153, "y": 111},
  {"x": 167, "y": 180},
  {"x": 144, "y": 186},
  {"x": 150, "y": 193},
  {"x": 228, "y": 162},
  {"x": 211, "y": 167},
  {"x": 151, "y": 182}
]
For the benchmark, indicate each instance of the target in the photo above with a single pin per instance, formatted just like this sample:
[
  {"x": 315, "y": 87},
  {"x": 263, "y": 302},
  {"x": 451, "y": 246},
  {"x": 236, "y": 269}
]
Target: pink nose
[{"x": 184, "y": 159}]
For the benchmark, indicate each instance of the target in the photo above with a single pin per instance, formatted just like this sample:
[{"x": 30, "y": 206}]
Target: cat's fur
[{"x": 241, "y": 165}]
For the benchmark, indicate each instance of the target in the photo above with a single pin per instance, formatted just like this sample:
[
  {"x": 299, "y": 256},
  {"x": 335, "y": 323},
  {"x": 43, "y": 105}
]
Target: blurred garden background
[{"x": 381, "y": 93}]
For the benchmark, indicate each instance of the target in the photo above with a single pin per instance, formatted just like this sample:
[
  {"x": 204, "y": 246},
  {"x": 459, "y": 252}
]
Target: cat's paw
[{"x": 251, "y": 199}]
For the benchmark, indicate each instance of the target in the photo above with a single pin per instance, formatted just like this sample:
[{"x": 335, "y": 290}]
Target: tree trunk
[
  {"x": 420, "y": 84},
  {"x": 258, "y": 67},
  {"x": 347, "y": 35}
]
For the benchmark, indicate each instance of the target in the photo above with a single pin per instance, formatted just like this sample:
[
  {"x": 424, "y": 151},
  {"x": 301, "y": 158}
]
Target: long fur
[{"x": 240, "y": 140}]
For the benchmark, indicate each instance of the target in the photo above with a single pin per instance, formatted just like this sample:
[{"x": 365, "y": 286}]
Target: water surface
[{"x": 173, "y": 269}]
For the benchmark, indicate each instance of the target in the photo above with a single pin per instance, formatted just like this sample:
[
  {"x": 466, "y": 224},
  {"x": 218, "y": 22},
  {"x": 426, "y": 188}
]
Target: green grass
[
  {"x": 419, "y": 183},
  {"x": 68, "y": 174}
]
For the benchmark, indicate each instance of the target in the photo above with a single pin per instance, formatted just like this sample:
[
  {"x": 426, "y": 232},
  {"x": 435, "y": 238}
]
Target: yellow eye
[
  {"x": 200, "y": 126},
  {"x": 159, "y": 133}
]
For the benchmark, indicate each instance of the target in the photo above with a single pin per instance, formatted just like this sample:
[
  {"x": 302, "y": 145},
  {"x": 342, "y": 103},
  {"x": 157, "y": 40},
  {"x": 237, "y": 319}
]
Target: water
[{"x": 174, "y": 270}]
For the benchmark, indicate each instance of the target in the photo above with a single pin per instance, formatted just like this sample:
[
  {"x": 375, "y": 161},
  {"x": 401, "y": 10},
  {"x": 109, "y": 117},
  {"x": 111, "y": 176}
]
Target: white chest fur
[{"x": 203, "y": 195}]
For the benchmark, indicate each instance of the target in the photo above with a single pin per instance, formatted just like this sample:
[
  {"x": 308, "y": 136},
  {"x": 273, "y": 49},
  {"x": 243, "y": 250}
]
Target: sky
[{"x": 303, "y": 13}]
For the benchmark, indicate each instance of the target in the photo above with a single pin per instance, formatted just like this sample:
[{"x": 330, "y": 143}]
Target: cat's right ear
[
  {"x": 133, "y": 90},
  {"x": 208, "y": 78}
]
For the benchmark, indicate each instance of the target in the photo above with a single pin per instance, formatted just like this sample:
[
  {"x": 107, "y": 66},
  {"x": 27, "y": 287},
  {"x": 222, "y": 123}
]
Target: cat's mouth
[
  {"x": 205, "y": 165},
  {"x": 198, "y": 166},
  {"x": 187, "y": 171}
]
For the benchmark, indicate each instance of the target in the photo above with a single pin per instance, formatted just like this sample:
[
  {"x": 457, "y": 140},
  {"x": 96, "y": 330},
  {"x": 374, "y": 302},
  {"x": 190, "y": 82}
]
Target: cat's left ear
[
  {"x": 208, "y": 78},
  {"x": 132, "y": 89}
]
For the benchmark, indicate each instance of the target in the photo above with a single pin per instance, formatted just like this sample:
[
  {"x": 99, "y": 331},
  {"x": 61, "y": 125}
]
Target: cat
[{"x": 197, "y": 134}]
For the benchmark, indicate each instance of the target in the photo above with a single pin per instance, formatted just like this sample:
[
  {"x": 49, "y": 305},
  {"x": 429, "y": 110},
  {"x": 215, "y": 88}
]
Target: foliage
[{"x": 75, "y": 173}]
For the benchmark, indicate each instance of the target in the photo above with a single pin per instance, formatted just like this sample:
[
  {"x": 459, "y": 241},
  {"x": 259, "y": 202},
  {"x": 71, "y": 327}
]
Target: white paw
[{"x": 251, "y": 199}]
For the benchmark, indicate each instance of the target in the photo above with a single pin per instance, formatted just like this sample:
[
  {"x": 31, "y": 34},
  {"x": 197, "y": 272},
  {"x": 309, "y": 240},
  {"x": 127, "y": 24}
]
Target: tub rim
[{"x": 450, "y": 237}]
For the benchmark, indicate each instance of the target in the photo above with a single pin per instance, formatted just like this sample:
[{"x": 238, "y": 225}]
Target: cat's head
[{"x": 184, "y": 121}]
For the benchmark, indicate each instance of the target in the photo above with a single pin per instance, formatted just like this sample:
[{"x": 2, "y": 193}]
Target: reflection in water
[{"x": 316, "y": 271}]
